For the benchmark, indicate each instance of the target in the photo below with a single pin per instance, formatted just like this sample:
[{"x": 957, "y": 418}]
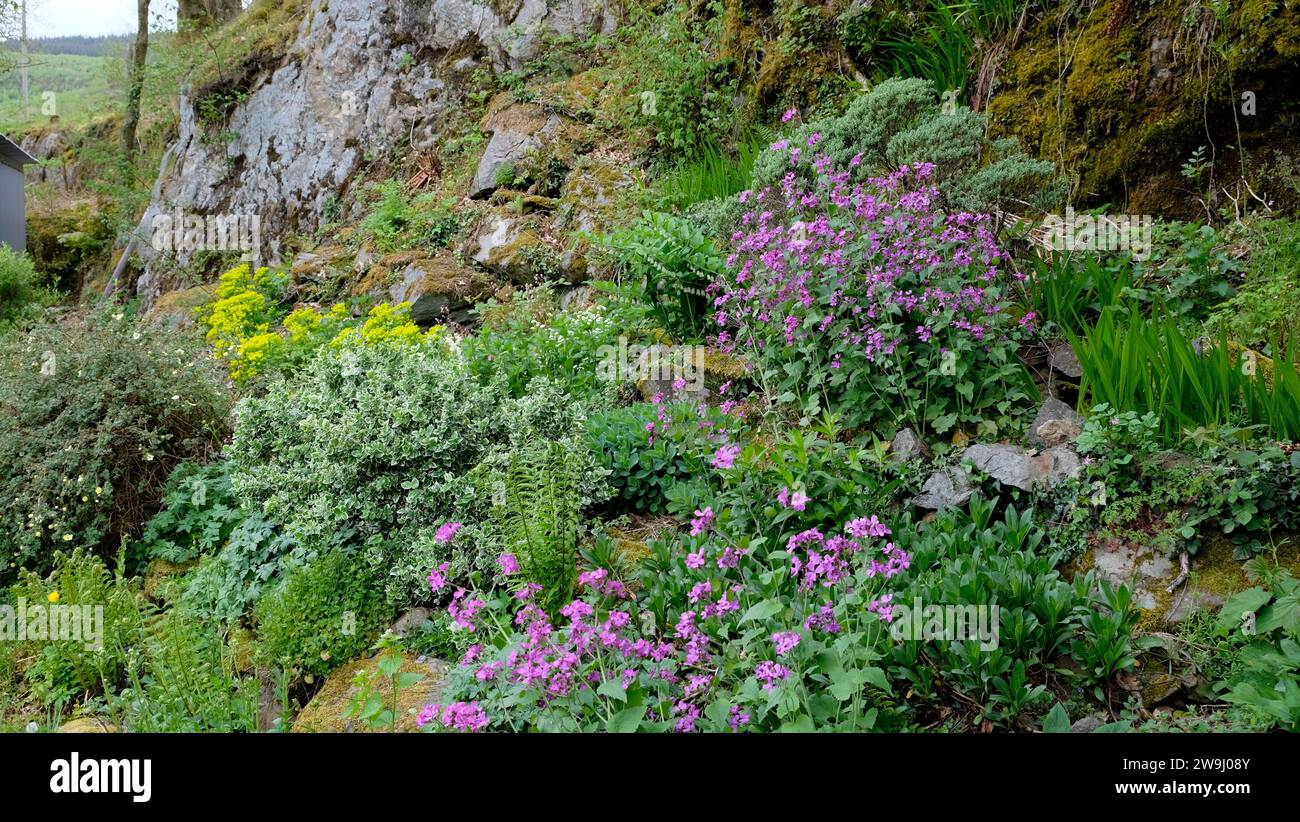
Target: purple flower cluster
[
  {"x": 859, "y": 272},
  {"x": 603, "y": 640},
  {"x": 458, "y": 716}
]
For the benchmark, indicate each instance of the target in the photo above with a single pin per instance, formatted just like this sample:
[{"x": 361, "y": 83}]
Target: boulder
[
  {"x": 947, "y": 488},
  {"x": 326, "y": 712},
  {"x": 1008, "y": 464},
  {"x": 908, "y": 446},
  {"x": 1016, "y": 467},
  {"x": 1190, "y": 600},
  {"x": 517, "y": 131},
  {"x": 1062, "y": 424},
  {"x": 410, "y": 621},
  {"x": 437, "y": 287},
  {"x": 1064, "y": 360},
  {"x": 512, "y": 246}
]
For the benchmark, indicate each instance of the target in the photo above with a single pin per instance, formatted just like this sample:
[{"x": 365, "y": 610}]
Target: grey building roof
[{"x": 13, "y": 156}]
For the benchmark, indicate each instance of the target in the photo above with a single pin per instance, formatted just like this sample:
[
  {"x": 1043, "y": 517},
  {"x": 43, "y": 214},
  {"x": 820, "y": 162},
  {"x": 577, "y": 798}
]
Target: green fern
[{"x": 536, "y": 508}]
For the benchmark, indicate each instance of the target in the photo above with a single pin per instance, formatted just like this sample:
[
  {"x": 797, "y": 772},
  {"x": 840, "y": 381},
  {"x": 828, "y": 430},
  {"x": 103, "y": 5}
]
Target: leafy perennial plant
[{"x": 866, "y": 300}]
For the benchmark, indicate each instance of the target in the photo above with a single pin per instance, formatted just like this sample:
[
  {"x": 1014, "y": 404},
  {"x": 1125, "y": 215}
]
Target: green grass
[
  {"x": 1138, "y": 364},
  {"x": 82, "y": 87}
]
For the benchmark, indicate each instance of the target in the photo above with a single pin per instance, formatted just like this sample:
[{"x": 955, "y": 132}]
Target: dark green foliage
[
  {"x": 674, "y": 261},
  {"x": 645, "y": 467},
  {"x": 199, "y": 512},
  {"x": 968, "y": 559},
  {"x": 328, "y": 611},
  {"x": 93, "y": 418},
  {"x": 22, "y": 295},
  {"x": 1265, "y": 622}
]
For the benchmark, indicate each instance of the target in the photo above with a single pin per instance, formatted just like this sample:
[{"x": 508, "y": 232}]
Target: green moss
[{"x": 1123, "y": 96}]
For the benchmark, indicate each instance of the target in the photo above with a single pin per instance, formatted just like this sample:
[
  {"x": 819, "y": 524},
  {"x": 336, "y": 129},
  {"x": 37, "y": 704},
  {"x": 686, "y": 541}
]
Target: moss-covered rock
[
  {"x": 326, "y": 713},
  {"x": 1124, "y": 95},
  {"x": 176, "y": 310},
  {"x": 159, "y": 576},
  {"x": 88, "y": 725}
]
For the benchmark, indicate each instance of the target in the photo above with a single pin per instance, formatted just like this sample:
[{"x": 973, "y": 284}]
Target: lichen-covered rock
[
  {"x": 326, "y": 712},
  {"x": 438, "y": 288},
  {"x": 1054, "y": 424},
  {"x": 907, "y": 445},
  {"x": 511, "y": 245},
  {"x": 516, "y": 132}
]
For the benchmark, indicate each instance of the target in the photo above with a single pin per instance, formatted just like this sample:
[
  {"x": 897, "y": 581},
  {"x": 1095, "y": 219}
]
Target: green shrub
[
  {"x": 93, "y": 418},
  {"x": 900, "y": 121},
  {"x": 645, "y": 465},
  {"x": 1265, "y": 313},
  {"x": 687, "y": 88},
  {"x": 199, "y": 512},
  {"x": 398, "y": 221},
  {"x": 530, "y": 336},
  {"x": 372, "y": 445},
  {"x": 21, "y": 294},
  {"x": 328, "y": 611},
  {"x": 674, "y": 262}
]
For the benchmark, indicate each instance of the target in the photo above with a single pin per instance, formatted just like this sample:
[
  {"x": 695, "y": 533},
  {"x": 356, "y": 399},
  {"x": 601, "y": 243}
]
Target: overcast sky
[{"x": 55, "y": 18}]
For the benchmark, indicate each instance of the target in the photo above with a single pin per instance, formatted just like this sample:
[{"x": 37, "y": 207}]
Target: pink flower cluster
[
  {"x": 858, "y": 269},
  {"x": 458, "y": 716}
]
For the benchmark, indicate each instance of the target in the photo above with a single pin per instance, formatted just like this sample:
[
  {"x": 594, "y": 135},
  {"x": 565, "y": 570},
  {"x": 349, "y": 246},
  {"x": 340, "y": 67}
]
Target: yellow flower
[
  {"x": 53, "y": 597},
  {"x": 67, "y": 537}
]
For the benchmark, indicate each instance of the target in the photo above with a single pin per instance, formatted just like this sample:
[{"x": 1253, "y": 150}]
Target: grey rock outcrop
[{"x": 357, "y": 79}]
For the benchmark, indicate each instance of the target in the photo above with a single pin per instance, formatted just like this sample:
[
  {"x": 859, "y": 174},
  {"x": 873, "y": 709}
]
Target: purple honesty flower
[
  {"x": 785, "y": 641},
  {"x": 770, "y": 673},
  {"x": 447, "y": 532},
  {"x": 509, "y": 565},
  {"x": 725, "y": 457},
  {"x": 438, "y": 577},
  {"x": 703, "y": 519}
]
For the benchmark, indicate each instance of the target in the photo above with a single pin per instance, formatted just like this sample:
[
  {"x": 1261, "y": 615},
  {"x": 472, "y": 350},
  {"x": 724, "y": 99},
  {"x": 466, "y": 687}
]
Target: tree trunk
[
  {"x": 26, "y": 62},
  {"x": 139, "y": 52}
]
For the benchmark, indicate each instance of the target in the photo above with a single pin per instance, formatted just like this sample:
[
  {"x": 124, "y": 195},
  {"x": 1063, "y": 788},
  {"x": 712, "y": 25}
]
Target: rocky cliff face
[{"x": 358, "y": 79}]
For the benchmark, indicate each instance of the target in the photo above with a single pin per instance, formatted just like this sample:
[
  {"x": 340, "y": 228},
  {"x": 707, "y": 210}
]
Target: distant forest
[{"x": 88, "y": 46}]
